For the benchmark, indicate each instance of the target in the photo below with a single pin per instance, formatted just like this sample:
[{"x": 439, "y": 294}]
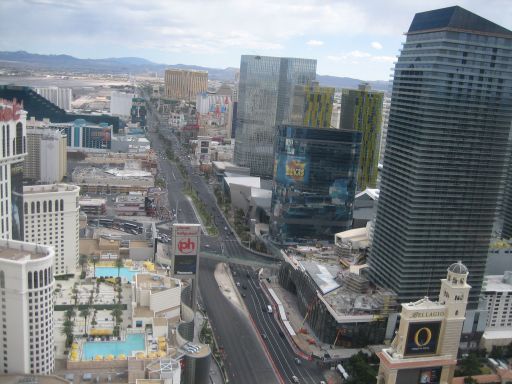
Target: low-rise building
[
  {"x": 130, "y": 205},
  {"x": 95, "y": 180},
  {"x": 156, "y": 300},
  {"x": 93, "y": 207}
]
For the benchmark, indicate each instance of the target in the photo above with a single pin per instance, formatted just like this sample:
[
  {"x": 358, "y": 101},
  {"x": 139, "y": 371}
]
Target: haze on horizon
[{"x": 358, "y": 39}]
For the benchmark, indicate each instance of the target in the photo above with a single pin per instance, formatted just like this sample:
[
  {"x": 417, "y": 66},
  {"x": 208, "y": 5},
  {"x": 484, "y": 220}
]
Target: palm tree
[
  {"x": 82, "y": 261},
  {"x": 95, "y": 259},
  {"x": 117, "y": 313},
  {"x": 119, "y": 264},
  {"x": 85, "y": 312},
  {"x": 67, "y": 330}
]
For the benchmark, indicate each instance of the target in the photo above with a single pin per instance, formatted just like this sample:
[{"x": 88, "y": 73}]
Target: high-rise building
[
  {"x": 61, "y": 97},
  {"x": 184, "y": 84},
  {"x": 314, "y": 182},
  {"x": 449, "y": 123},
  {"x": 46, "y": 159},
  {"x": 386, "y": 104},
  {"x": 82, "y": 134},
  {"x": 121, "y": 103},
  {"x": 264, "y": 101},
  {"x": 361, "y": 110},
  {"x": 312, "y": 105},
  {"x": 51, "y": 215},
  {"x": 13, "y": 148},
  {"x": 26, "y": 291}
]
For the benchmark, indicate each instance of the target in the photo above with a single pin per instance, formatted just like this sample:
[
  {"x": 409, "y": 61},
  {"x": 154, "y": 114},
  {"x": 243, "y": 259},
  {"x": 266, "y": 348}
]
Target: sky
[{"x": 352, "y": 38}]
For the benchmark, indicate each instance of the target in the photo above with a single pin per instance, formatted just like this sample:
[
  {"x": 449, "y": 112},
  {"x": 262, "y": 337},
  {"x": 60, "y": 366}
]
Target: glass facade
[
  {"x": 265, "y": 96},
  {"x": 314, "y": 183},
  {"x": 361, "y": 110},
  {"x": 449, "y": 124},
  {"x": 312, "y": 105}
]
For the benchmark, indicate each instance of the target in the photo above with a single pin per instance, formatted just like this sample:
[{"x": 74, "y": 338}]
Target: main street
[
  {"x": 246, "y": 361},
  {"x": 287, "y": 362}
]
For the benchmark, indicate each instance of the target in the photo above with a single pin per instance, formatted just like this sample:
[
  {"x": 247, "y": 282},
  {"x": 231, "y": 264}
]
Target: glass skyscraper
[
  {"x": 361, "y": 110},
  {"x": 449, "y": 123},
  {"x": 265, "y": 95},
  {"x": 314, "y": 183}
]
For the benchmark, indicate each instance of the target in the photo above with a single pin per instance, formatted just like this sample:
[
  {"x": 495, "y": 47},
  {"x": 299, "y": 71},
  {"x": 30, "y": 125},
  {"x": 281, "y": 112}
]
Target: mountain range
[{"x": 136, "y": 65}]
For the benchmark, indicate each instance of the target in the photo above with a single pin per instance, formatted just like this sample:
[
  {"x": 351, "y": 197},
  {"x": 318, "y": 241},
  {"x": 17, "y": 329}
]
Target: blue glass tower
[{"x": 314, "y": 183}]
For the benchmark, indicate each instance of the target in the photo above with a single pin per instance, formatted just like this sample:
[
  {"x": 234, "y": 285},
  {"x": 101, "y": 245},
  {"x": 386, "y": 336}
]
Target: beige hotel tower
[{"x": 425, "y": 346}]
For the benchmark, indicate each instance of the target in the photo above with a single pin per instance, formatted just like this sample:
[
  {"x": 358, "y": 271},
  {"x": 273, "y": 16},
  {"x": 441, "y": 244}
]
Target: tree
[
  {"x": 83, "y": 260},
  {"x": 117, "y": 314},
  {"x": 469, "y": 366},
  {"x": 360, "y": 371},
  {"x": 67, "y": 330},
  {"x": 119, "y": 264},
  {"x": 95, "y": 259},
  {"x": 85, "y": 312}
]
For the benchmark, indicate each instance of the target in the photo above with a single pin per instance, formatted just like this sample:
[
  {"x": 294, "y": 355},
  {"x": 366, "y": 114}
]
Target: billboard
[
  {"x": 292, "y": 169},
  {"x": 185, "y": 249},
  {"x": 422, "y": 338},
  {"x": 17, "y": 201}
]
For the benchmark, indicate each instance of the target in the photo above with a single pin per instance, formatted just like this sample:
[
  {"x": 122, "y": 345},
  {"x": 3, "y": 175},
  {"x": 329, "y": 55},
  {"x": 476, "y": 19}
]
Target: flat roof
[
  {"x": 89, "y": 201},
  {"x": 322, "y": 274},
  {"x": 154, "y": 282},
  {"x": 33, "y": 189},
  {"x": 248, "y": 181},
  {"x": 23, "y": 251},
  {"x": 494, "y": 283}
]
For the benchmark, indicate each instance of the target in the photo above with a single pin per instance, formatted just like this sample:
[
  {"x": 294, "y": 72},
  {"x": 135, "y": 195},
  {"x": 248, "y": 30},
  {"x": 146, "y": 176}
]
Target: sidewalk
[{"x": 308, "y": 343}]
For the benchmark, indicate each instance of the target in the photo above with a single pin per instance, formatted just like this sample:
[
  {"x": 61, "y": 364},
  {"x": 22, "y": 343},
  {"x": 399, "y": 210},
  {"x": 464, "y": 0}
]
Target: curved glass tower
[{"x": 449, "y": 123}]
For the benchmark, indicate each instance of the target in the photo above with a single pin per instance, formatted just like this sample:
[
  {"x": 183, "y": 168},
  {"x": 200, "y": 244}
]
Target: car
[
  {"x": 244, "y": 286},
  {"x": 244, "y": 295},
  {"x": 281, "y": 334},
  {"x": 237, "y": 283},
  {"x": 297, "y": 361},
  {"x": 248, "y": 275},
  {"x": 295, "y": 379},
  {"x": 264, "y": 336}
]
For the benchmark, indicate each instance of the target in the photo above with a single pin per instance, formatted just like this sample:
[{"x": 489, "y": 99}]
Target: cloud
[
  {"x": 354, "y": 57},
  {"x": 315, "y": 43},
  {"x": 376, "y": 45}
]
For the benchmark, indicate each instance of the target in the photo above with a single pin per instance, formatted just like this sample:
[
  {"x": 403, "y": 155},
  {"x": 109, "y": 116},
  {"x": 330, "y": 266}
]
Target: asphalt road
[
  {"x": 245, "y": 358},
  {"x": 244, "y": 355},
  {"x": 285, "y": 359}
]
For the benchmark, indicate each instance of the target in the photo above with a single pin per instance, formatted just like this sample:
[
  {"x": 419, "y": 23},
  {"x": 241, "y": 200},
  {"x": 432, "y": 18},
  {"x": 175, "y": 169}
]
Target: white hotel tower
[
  {"x": 26, "y": 293},
  {"x": 50, "y": 217}
]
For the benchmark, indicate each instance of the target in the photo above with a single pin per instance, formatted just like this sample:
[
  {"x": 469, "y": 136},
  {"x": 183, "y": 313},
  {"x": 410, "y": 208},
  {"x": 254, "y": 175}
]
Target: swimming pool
[
  {"x": 112, "y": 271},
  {"x": 133, "y": 342}
]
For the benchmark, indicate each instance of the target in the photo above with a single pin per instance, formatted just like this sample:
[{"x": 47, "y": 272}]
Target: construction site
[{"x": 340, "y": 306}]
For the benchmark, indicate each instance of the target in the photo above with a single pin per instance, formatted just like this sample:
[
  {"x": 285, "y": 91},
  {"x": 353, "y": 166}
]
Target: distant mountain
[{"x": 136, "y": 65}]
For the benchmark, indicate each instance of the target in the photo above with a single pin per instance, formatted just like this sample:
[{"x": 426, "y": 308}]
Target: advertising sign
[
  {"x": 292, "y": 169},
  {"x": 17, "y": 201},
  {"x": 422, "y": 338},
  {"x": 430, "y": 375},
  {"x": 185, "y": 249}
]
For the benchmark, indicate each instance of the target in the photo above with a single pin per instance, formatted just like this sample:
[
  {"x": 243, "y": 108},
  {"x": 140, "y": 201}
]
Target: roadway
[
  {"x": 284, "y": 357},
  {"x": 245, "y": 359}
]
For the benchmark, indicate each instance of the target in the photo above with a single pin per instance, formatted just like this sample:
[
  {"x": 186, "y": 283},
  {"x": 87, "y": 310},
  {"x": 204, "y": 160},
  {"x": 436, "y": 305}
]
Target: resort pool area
[
  {"x": 112, "y": 272},
  {"x": 104, "y": 348}
]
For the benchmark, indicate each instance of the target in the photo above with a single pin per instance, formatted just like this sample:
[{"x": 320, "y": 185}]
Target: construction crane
[{"x": 308, "y": 312}]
